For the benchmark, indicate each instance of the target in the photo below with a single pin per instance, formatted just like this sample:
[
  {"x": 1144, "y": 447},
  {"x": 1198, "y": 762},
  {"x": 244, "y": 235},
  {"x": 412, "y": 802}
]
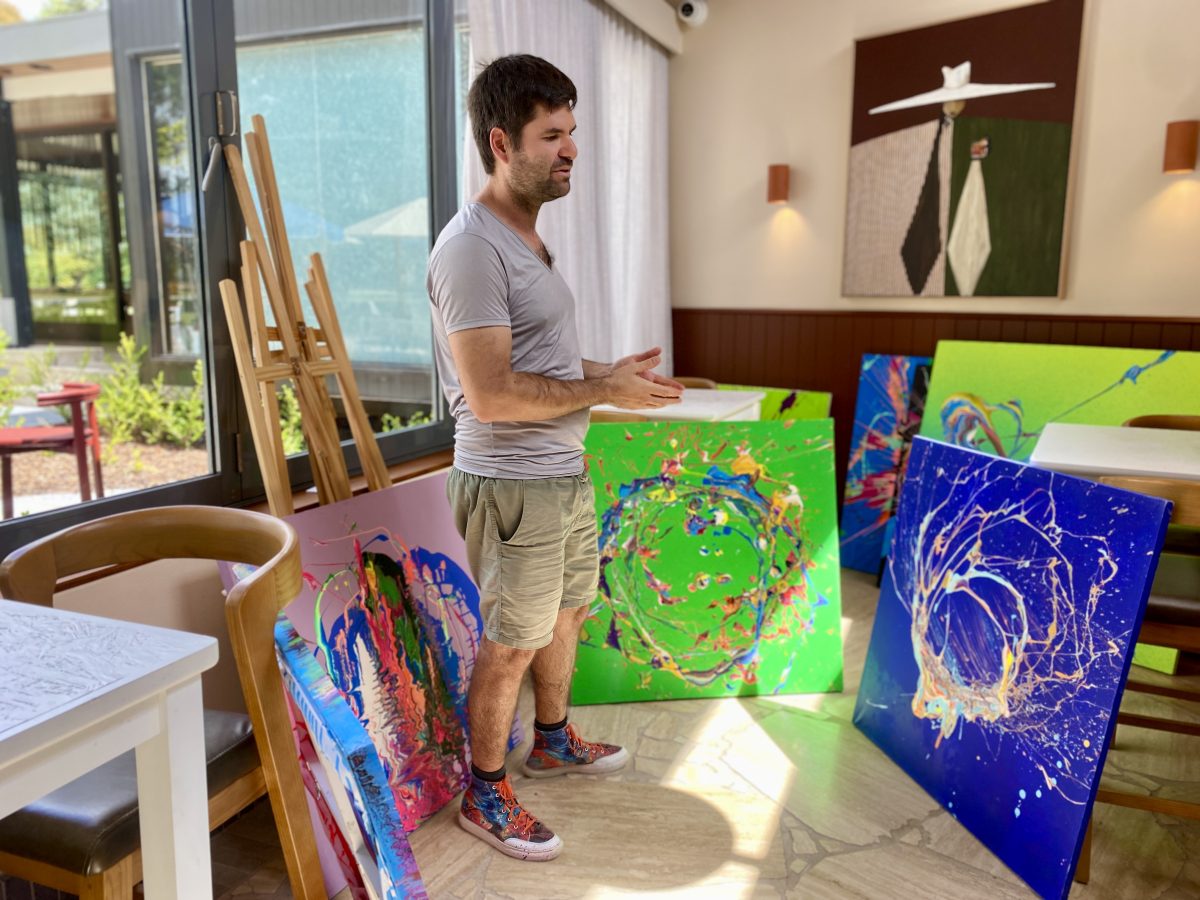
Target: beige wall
[{"x": 767, "y": 81}]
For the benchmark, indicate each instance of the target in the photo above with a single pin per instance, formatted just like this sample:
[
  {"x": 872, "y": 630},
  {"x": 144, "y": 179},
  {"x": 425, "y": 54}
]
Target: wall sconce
[
  {"x": 1179, "y": 156},
  {"x": 778, "y": 178}
]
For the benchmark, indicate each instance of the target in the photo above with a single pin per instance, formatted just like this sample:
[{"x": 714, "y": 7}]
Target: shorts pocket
[{"x": 518, "y": 518}]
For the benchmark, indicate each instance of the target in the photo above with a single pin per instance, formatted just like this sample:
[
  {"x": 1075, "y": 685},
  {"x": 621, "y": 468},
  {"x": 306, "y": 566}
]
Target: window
[{"x": 362, "y": 99}]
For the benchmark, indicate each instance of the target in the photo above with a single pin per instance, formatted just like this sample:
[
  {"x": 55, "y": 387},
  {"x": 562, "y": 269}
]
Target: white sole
[
  {"x": 605, "y": 765},
  {"x": 532, "y": 852}
]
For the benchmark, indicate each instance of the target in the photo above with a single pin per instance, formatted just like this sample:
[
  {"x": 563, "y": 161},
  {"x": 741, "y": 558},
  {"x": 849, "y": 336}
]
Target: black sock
[
  {"x": 498, "y": 775},
  {"x": 557, "y": 726}
]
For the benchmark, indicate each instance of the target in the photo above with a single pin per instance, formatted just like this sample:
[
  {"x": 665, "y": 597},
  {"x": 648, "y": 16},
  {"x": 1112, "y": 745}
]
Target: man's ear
[{"x": 499, "y": 143}]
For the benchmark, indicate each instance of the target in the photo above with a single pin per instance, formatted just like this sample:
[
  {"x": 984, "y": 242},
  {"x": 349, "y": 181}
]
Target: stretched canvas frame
[
  {"x": 718, "y": 562},
  {"x": 1001, "y": 646}
]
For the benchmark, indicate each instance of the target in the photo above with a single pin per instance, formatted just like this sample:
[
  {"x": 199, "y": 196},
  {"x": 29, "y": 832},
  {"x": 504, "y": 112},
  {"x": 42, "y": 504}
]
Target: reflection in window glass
[
  {"x": 174, "y": 208},
  {"x": 347, "y": 124}
]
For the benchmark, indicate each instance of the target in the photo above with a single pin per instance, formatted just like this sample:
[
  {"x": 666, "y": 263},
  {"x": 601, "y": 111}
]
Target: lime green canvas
[
  {"x": 782, "y": 403},
  {"x": 718, "y": 562},
  {"x": 998, "y": 397},
  {"x": 1160, "y": 659}
]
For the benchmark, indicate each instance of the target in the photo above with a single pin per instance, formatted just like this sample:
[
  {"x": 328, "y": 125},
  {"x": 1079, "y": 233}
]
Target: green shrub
[
  {"x": 150, "y": 413},
  {"x": 289, "y": 421},
  {"x": 8, "y": 386},
  {"x": 389, "y": 422}
]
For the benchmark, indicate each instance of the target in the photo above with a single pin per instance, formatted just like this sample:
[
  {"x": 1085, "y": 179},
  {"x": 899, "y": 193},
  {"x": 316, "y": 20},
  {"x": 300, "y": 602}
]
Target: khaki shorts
[{"x": 531, "y": 545}]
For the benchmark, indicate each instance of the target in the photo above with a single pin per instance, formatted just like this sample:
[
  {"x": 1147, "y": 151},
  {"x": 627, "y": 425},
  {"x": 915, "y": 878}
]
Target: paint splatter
[{"x": 707, "y": 563}]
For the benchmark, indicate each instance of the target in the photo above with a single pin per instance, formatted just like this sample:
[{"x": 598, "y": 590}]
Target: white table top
[
  {"x": 701, "y": 405},
  {"x": 59, "y": 668},
  {"x": 1094, "y": 450}
]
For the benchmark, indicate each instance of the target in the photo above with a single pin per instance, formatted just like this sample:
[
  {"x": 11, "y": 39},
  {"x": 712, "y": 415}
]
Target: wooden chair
[
  {"x": 1172, "y": 619},
  {"x": 80, "y": 437},
  {"x": 603, "y": 415},
  {"x": 83, "y": 838},
  {"x": 692, "y": 381},
  {"x": 1175, "y": 423}
]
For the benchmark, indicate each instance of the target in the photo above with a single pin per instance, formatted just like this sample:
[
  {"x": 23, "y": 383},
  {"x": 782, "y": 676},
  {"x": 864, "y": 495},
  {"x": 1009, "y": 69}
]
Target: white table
[
  {"x": 704, "y": 405},
  {"x": 76, "y": 691},
  {"x": 1094, "y": 450}
]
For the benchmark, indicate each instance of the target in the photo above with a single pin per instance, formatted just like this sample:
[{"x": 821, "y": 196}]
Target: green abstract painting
[
  {"x": 998, "y": 397},
  {"x": 718, "y": 562},
  {"x": 784, "y": 404}
]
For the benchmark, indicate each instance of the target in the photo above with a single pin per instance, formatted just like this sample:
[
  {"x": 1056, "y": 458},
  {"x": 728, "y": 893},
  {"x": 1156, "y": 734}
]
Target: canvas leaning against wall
[
  {"x": 779, "y": 404},
  {"x": 1001, "y": 646},
  {"x": 718, "y": 562},
  {"x": 392, "y": 614},
  {"x": 885, "y": 414},
  {"x": 960, "y": 156},
  {"x": 998, "y": 397}
]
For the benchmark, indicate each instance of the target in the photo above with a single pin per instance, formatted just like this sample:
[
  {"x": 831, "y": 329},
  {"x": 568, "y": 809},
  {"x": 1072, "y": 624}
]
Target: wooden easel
[{"x": 306, "y": 355}]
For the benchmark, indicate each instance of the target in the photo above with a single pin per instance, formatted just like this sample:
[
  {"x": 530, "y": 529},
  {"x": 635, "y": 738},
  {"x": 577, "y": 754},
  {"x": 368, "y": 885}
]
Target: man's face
[{"x": 541, "y": 170}]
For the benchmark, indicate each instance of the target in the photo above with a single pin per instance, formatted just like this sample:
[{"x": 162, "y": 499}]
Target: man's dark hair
[{"x": 506, "y": 95}]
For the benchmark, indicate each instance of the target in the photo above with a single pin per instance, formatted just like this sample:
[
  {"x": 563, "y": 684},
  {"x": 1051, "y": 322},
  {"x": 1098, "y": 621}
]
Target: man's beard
[{"x": 534, "y": 185}]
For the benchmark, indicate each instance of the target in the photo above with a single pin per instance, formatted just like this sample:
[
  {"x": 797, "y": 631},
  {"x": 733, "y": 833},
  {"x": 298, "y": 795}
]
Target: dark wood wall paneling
[{"x": 822, "y": 351}]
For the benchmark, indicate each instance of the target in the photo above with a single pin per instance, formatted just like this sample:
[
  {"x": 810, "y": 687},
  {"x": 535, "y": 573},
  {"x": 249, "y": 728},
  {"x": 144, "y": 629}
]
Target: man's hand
[
  {"x": 632, "y": 384},
  {"x": 647, "y": 374}
]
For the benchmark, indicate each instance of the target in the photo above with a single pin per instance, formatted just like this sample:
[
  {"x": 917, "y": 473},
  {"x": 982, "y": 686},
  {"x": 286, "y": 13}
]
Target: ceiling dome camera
[{"x": 693, "y": 12}]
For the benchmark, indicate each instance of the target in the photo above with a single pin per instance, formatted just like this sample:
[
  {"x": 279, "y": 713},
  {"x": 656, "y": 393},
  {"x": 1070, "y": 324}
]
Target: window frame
[{"x": 208, "y": 51}]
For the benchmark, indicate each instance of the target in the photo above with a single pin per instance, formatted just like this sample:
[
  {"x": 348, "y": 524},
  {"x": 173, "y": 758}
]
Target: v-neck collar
[{"x": 514, "y": 233}]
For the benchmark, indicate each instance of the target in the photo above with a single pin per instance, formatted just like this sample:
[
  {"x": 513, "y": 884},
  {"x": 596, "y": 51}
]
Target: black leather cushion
[{"x": 91, "y": 824}]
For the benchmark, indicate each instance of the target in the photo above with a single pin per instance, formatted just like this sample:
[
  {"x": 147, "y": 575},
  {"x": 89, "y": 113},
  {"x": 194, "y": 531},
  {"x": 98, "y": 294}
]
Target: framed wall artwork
[{"x": 960, "y": 156}]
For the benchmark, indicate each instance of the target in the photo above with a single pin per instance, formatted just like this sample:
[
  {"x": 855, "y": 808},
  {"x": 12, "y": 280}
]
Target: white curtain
[{"x": 609, "y": 235}]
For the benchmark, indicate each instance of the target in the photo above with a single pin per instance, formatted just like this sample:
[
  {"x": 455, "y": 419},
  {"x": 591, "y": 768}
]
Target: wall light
[
  {"x": 778, "y": 178},
  {"x": 1179, "y": 157}
]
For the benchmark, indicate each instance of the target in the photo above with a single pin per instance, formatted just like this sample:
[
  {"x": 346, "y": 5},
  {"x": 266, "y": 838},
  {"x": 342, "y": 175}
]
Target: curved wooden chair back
[
  {"x": 1175, "y": 423},
  {"x": 1184, "y": 494},
  {"x": 105, "y": 546}
]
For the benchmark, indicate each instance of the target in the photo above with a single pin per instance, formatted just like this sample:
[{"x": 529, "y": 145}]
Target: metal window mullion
[
  {"x": 210, "y": 58},
  {"x": 443, "y": 141}
]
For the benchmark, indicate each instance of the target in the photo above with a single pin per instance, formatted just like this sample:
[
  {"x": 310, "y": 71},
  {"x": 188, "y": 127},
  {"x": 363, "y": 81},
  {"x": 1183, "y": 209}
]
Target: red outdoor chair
[{"x": 78, "y": 437}]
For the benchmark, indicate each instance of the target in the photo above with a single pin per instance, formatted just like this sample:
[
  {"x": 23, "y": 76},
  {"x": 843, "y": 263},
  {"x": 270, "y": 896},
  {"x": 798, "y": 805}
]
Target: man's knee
[
  {"x": 575, "y": 615},
  {"x": 503, "y": 656}
]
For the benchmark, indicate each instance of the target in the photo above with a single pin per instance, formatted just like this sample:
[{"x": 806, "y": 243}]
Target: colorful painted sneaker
[
  {"x": 491, "y": 812},
  {"x": 562, "y": 752}
]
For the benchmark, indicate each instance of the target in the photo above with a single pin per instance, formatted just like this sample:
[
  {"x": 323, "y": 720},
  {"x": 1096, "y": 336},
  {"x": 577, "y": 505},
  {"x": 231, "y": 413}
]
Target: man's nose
[{"x": 569, "y": 149}]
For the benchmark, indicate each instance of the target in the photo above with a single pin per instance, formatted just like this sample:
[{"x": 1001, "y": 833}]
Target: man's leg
[
  {"x": 554, "y": 665},
  {"x": 557, "y": 748},
  {"x": 492, "y": 701}
]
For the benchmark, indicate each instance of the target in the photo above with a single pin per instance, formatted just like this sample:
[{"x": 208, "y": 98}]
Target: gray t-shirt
[{"x": 481, "y": 273}]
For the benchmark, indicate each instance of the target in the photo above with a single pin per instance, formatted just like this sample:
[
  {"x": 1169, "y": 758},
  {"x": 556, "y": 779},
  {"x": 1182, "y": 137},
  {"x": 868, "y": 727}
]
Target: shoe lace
[
  {"x": 578, "y": 745},
  {"x": 517, "y": 816}
]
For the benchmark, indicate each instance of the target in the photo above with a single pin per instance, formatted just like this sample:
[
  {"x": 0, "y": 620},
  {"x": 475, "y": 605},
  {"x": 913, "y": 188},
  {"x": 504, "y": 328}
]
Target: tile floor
[{"x": 777, "y": 797}]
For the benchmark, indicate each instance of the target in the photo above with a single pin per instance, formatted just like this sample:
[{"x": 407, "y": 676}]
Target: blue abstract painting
[
  {"x": 1001, "y": 646},
  {"x": 882, "y": 419},
  {"x": 337, "y": 754}
]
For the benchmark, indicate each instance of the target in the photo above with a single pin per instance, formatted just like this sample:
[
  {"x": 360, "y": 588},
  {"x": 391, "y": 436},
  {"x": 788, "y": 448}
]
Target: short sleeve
[{"x": 468, "y": 284}]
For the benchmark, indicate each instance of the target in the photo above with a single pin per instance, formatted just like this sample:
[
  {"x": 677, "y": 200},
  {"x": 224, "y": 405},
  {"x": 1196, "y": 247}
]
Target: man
[{"x": 508, "y": 357}]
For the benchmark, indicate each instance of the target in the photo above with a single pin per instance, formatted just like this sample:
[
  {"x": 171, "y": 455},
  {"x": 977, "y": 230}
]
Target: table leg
[{"x": 173, "y": 801}]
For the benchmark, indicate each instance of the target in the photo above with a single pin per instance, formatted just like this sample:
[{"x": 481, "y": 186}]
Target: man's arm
[
  {"x": 495, "y": 393},
  {"x": 596, "y": 369}
]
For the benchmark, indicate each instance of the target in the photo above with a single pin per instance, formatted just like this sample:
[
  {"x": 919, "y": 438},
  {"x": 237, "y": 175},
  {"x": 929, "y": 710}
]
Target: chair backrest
[
  {"x": 355, "y": 801},
  {"x": 1174, "y": 423},
  {"x": 107, "y": 545},
  {"x": 694, "y": 381},
  {"x": 1185, "y": 495},
  {"x": 73, "y": 394},
  {"x": 601, "y": 415}
]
